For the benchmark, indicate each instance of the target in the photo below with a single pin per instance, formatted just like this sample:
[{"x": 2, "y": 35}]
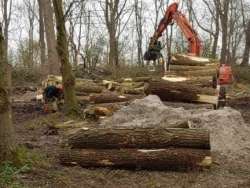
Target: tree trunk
[
  {"x": 177, "y": 91},
  {"x": 147, "y": 138},
  {"x": 164, "y": 159},
  {"x": 246, "y": 55},
  {"x": 53, "y": 59},
  {"x": 7, "y": 142},
  {"x": 71, "y": 106},
  {"x": 42, "y": 36}
]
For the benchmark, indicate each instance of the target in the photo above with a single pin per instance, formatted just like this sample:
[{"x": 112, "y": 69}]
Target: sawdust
[{"x": 229, "y": 133}]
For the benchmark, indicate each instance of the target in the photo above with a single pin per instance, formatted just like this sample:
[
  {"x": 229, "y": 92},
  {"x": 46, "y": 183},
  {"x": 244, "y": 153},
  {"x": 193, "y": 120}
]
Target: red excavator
[{"x": 172, "y": 14}]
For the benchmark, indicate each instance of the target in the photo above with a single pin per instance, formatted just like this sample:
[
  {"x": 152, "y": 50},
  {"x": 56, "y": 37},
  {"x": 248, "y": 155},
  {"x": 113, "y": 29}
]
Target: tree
[
  {"x": 112, "y": 17},
  {"x": 7, "y": 141},
  {"x": 138, "y": 22},
  {"x": 246, "y": 55},
  {"x": 53, "y": 59},
  {"x": 222, "y": 7},
  {"x": 41, "y": 33},
  {"x": 30, "y": 7},
  {"x": 214, "y": 30},
  {"x": 71, "y": 106}
]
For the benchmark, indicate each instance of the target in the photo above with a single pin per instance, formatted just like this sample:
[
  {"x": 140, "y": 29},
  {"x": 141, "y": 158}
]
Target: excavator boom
[{"x": 172, "y": 14}]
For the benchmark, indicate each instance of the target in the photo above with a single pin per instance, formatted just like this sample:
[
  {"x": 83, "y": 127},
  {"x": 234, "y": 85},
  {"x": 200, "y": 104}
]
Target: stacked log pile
[
  {"x": 195, "y": 84},
  {"x": 143, "y": 148}
]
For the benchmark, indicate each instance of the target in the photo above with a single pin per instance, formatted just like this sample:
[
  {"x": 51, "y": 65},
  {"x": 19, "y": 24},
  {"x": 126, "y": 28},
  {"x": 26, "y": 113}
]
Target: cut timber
[
  {"x": 164, "y": 159},
  {"x": 177, "y": 91},
  {"x": 115, "y": 138},
  {"x": 181, "y": 59},
  {"x": 88, "y": 88},
  {"x": 181, "y": 68},
  {"x": 136, "y": 79},
  {"x": 207, "y": 99},
  {"x": 111, "y": 98},
  {"x": 206, "y": 72}
]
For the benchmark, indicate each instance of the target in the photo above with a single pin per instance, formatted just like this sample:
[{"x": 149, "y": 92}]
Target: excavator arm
[{"x": 172, "y": 14}]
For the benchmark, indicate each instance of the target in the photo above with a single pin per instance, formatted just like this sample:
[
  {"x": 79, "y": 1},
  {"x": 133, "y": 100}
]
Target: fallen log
[
  {"x": 132, "y": 91},
  {"x": 111, "y": 98},
  {"x": 164, "y": 159},
  {"x": 182, "y": 59},
  {"x": 88, "y": 88},
  {"x": 199, "y": 73},
  {"x": 181, "y": 68},
  {"x": 177, "y": 91},
  {"x": 115, "y": 138},
  {"x": 135, "y": 79}
]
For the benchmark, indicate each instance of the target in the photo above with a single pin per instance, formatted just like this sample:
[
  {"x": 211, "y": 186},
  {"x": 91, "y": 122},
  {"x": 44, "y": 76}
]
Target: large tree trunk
[
  {"x": 147, "y": 138},
  {"x": 71, "y": 106},
  {"x": 42, "y": 36},
  {"x": 53, "y": 59},
  {"x": 7, "y": 142},
  {"x": 246, "y": 55},
  {"x": 177, "y": 91},
  {"x": 182, "y": 59},
  {"x": 164, "y": 159}
]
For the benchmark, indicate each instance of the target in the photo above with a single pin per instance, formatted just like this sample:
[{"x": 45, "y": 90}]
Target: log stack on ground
[{"x": 143, "y": 148}]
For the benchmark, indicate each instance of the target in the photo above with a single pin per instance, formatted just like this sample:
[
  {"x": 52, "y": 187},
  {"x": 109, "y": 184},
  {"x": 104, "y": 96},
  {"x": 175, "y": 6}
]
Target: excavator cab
[{"x": 154, "y": 51}]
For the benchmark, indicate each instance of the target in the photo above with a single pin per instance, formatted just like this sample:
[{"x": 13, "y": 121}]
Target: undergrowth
[
  {"x": 23, "y": 162},
  {"x": 242, "y": 73}
]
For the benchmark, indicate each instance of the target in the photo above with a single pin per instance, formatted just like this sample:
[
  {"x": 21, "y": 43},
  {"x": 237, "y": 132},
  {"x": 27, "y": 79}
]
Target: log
[
  {"x": 136, "y": 79},
  {"x": 178, "y": 91},
  {"x": 199, "y": 73},
  {"x": 182, "y": 59},
  {"x": 157, "y": 138},
  {"x": 133, "y": 91},
  {"x": 181, "y": 68},
  {"x": 165, "y": 159},
  {"x": 111, "y": 98},
  {"x": 88, "y": 88}
]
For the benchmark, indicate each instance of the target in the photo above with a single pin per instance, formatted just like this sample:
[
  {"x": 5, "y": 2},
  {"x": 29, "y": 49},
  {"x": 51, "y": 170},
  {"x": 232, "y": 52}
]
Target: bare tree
[
  {"x": 139, "y": 25},
  {"x": 222, "y": 7},
  {"x": 53, "y": 59},
  {"x": 41, "y": 33},
  {"x": 30, "y": 7},
  {"x": 7, "y": 141},
  {"x": 71, "y": 106},
  {"x": 246, "y": 55},
  {"x": 113, "y": 11},
  {"x": 7, "y": 12},
  {"x": 214, "y": 29}
]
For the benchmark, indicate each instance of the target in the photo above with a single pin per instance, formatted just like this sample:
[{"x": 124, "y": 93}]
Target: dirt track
[{"x": 37, "y": 135}]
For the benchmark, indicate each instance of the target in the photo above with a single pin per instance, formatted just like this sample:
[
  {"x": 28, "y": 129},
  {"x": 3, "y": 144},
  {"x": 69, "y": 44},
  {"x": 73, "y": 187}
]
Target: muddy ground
[{"x": 35, "y": 131}]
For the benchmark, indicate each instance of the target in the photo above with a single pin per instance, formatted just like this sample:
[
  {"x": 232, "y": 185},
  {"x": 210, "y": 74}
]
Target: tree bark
[
  {"x": 53, "y": 59},
  {"x": 7, "y": 141},
  {"x": 177, "y": 91},
  {"x": 246, "y": 55},
  {"x": 181, "y": 59},
  {"x": 71, "y": 106},
  {"x": 147, "y": 138},
  {"x": 42, "y": 36},
  {"x": 164, "y": 159}
]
